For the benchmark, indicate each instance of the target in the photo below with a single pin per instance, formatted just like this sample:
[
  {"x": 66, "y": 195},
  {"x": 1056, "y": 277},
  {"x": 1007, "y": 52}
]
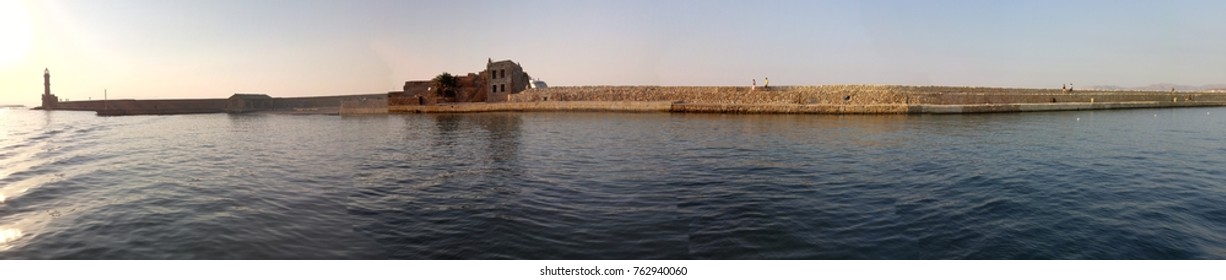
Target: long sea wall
[
  {"x": 850, "y": 95},
  {"x": 870, "y": 99},
  {"x": 334, "y": 101},
  {"x": 305, "y": 105},
  {"x": 145, "y": 107},
  {"x": 364, "y": 106}
]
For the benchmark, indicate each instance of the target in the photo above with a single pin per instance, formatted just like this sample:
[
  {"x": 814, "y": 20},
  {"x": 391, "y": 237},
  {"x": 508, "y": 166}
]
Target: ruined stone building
[
  {"x": 415, "y": 93},
  {"x": 494, "y": 84},
  {"x": 469, "y": 89},
  {"x": 504, "y": 77}
]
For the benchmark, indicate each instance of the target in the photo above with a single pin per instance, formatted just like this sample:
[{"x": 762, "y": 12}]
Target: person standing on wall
[{"x": 766, "y": 83}]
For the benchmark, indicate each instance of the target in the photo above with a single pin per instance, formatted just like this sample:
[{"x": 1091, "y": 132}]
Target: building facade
[{"x": 504, "y": 77}]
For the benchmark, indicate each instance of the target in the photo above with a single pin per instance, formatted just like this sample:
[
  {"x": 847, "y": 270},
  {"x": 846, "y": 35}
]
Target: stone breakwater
[
  {"x": 860, "y": 95},
  {"x": 830, "y": 99},
  {"x": 359, "y": 104}
]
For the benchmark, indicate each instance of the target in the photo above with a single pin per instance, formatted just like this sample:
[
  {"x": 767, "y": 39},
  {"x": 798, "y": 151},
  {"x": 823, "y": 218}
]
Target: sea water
[{"x": 1128, "y": 184}]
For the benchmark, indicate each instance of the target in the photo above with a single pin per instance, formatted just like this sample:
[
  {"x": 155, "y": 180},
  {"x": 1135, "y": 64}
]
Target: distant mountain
[{"x": 1162, "y": 87}]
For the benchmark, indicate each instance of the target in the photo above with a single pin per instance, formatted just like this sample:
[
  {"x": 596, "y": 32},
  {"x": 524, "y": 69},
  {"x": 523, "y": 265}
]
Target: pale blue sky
[{"x": 175, "y": 49}]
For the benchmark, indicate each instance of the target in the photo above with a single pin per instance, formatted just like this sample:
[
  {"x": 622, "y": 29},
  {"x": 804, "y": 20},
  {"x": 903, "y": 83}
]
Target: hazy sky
[{"x": 213, "y": 48}]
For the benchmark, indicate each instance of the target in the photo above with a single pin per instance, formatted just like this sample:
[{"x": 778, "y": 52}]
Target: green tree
[{"x": 447, "y": 84}]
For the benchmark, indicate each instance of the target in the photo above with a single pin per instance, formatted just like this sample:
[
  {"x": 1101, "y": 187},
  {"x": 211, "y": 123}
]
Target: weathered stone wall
[
  {"x": 1096, "y": 96},
  {"x": 790, "y": 108},
  {"x": 197, "y": 106},
  {"x": 470, "y": 88},
  {"x": 848, "y": 95},
  {"x": 400, "y": 98},
  {"x": 363, "y": 107},
  {"x": 147, "y": 107},
  {"x": 414, "y": 93},
  {"x": 831, "y": 95},
  {"x": 291, "y": 103}
]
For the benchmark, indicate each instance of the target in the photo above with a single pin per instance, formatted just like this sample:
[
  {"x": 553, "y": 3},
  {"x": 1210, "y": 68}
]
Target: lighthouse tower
[{"x": 49, "y": 100}]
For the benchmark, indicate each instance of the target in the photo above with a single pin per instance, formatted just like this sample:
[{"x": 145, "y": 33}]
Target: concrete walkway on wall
[
  {"x": 1039, "y": 107},
  {"x": 544, "y": 106},
  {"x": 681, "y": 107}
]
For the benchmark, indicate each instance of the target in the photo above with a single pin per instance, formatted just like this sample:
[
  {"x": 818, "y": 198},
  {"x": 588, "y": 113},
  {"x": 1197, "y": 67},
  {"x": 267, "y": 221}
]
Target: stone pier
[{"x": 831, "y": 99}]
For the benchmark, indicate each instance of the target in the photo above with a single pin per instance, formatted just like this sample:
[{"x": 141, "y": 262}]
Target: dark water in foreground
[{"x": 1135, "y": 184}]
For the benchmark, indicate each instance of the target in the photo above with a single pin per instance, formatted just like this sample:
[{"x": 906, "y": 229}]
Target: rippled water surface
[{"x": 1134, "y": 184}]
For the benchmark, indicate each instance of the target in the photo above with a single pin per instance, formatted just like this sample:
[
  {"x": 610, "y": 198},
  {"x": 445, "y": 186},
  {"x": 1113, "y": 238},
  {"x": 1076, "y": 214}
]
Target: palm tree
[{"x": 446, "y": 84}]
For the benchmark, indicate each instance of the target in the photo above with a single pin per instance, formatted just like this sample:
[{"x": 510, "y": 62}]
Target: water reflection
[
  {"x": 448, "y": 174},
  {"x": 239, "y": 124},
  {"x": 447, "y": 124},
  {"x": 503, "y": 140},
  {"x": 499, "y": 133},
  {"x": 9, "y": 235},
  {"x": 47, "y": 120},
  {"x": 22, "y": 228}
]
